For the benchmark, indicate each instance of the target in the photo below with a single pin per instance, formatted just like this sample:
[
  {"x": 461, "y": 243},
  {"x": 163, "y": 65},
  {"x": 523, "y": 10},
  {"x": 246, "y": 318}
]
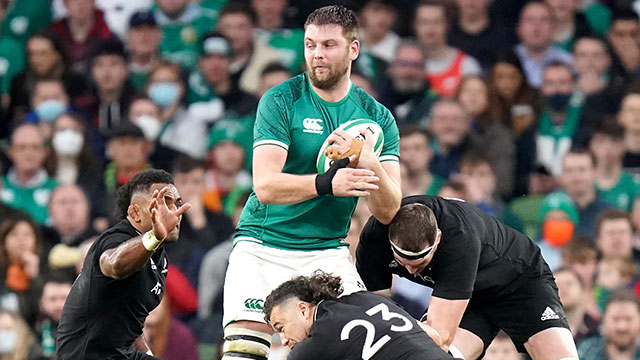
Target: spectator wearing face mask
[
  {"x": 16, "y": 340},
  {"x": 74, "y": 161},
  {"x": 49, "y": 99}
]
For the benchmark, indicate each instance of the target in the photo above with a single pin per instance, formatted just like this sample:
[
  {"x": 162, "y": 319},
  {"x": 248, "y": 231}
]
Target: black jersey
[
  {"x": 102, "y": 317},
  {"x": 477, "y": 254},
  {"x": 364, "y": 326}
]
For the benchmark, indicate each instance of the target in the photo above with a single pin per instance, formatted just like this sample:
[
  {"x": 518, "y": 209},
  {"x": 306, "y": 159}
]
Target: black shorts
[{"x": 534, "y": 307}]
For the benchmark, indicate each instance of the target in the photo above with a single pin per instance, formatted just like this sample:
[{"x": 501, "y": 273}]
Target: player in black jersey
[
  {"x": 485, "y": 276},
  {"x": 317, "y": 325},
  {"x": 123, "y": 277}
]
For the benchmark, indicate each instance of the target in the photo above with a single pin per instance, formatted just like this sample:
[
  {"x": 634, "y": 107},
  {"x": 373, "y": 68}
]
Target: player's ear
[
  {"x": 134, "y": 213},
  {"x": 354, "y": 50},
  {"x": 304, "y": 309}
]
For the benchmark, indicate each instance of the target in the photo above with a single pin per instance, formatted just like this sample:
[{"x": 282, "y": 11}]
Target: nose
[{"x": 283, "y": 339}]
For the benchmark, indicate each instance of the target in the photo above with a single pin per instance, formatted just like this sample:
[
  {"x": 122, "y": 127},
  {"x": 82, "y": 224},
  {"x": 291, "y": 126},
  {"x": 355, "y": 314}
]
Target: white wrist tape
[{"x": 150, "y": 242}]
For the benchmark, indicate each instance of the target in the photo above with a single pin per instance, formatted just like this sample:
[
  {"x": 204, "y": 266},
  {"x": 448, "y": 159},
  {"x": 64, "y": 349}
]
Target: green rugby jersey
[
  {"x": 623, "y": 193},
  {"x": 291, "y": 115}
]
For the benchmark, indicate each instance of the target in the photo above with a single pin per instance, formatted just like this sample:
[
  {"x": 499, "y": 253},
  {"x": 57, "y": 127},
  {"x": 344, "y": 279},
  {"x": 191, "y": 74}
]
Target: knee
[{"x": 243, "y": 343}]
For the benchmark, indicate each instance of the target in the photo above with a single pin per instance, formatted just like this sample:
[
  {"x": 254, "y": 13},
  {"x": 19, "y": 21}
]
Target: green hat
[
  {"x": 558, "y": 200},
  {"x": 230, "y": 129}
]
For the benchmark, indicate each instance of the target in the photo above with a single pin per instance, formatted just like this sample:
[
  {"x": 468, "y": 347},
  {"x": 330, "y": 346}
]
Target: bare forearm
[
  {"x": 282, "y": 188},
  {"x": 384, "y": 202},
  {"x": 125, "y": 260}
]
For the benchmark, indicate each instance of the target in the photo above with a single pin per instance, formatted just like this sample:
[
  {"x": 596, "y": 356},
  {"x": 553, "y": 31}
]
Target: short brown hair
[
  {"x": 335, "y": 15},
  {"x": 610, "y": 214},
  {"x": 414, "y": 227},
  {"x": 622, "y": 295},
  {"x": 579, "y": 249}
]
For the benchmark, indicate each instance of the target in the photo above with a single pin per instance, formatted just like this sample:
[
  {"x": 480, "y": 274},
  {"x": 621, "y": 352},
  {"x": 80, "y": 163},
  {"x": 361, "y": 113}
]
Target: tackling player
[
  {"x": 317, "y": 325},
  {"x": 485, "y": 276},
  {"x": 295, "y": 220}
]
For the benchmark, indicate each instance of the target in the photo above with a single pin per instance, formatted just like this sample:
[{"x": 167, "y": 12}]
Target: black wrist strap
[{"x": 323, "y": 181}]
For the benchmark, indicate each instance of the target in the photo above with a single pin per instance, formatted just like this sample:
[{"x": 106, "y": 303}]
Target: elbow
[
  {"x": 262, "y": 193},
  {"x": 388, "y": 213}
]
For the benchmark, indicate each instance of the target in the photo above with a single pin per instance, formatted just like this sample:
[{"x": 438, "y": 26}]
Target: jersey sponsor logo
[
  {"x": 393, "y": 264},
  {"x": 157, "y": 289},
  {"x": 549, "y": 314},
  {"x": 254, "y": 304},
  {"x": 313, "y": 126}
]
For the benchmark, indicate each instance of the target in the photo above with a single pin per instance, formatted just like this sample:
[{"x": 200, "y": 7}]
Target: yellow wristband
[{"x": 150, "y": 242}]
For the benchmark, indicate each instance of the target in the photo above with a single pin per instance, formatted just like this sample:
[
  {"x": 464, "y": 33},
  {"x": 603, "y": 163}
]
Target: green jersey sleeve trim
[
  {"x": 384, "y": 158},
  {"x": 271, "y": 142}
]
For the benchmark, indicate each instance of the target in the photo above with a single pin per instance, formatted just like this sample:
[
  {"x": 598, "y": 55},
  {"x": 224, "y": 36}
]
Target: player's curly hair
[
  {"x": 312, "y": 289},
  {"x": 335, "y": 15},
  {"x": 140, "y": 182}
]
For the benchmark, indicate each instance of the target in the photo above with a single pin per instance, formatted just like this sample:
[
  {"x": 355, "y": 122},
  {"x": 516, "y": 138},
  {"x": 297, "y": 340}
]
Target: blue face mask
[
  {"x": 164, "y": 93},
  {"x": 8, "y": 341},
  {"x": 49, "y": 110}
]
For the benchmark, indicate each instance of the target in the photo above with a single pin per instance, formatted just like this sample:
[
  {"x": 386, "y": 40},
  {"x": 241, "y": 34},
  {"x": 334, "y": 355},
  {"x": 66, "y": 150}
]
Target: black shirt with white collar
[
  {"x": 103, "y": 317},
  {"x": 477, "y": 255}
]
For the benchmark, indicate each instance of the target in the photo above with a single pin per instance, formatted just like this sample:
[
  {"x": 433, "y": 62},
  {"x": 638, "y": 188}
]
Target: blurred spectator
[
  {"x": 27, "y": 186},
  {"x": 49, "y": 99},
  {"x": 168, "y": 337},
  {"x": 615, "y": 235},
  {"x": 620, "y": 330},
  {"x": 502, "y": 348},
  {"x": 376, "y": 36},
  {"x": 167, "y": 89},
  {"x": 581, "y": 255},
  {"x": 129, "y": 151},
  {"x": 557, "y": 217},
  {"x": 449, "y": 126},
  {"x": 445, "y": 65},
  {"x": 24, "y": 18},
  {"x": 211, "y": 90},
  {"x": 75, "y": 162},
  {"x": 613, "y": 273},
  {"x": 276, "y": 29},
  {"x": 146, "y": 115},
  {"x": 601, "y": 87},
  {"x": 54, "y": 294},
  {"x": 227, "y": 177},
  {"x": 105, "y": 106},
  {"x": 560, "y": 124},
  {"x": 250, "y": 55},
  {"x": 201, "y": 229},
  {"x": 80, "y": 31},
  {"x": 143, "y": 40},
  {"x": 183, "y": 22},
  {"x": 624, "y": 38},
  {"x": 69, "y": 211},
  {"x": 415, "y": 155},
  {"x": 479, "y": 34},
  {"x": 578, "y": 180},
  {"x": 572, "y": 294},
  {"x": 46, "y": 60},
  {"x": 18, "y": 342},
  {"x": 271, "y": 76},
  {"x": 536, "y": 50},
  {"x": 20, "y": 281},
  {"x": 570, "y": 23},
  {"x": 488, "y": 131},
  {"x": 629, "y": 118},
  {"x": 12, "y": 58},
  {"x": 614, "y": 185},
  {"x": 406, "y": 91}
]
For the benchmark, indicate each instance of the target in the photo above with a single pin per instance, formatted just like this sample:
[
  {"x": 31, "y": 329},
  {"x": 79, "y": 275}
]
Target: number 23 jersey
[{"x": 365, "y": 326}]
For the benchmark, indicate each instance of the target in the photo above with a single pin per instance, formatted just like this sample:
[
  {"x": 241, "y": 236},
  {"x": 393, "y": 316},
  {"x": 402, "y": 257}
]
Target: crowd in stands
[{"x": 528, "y": 109}]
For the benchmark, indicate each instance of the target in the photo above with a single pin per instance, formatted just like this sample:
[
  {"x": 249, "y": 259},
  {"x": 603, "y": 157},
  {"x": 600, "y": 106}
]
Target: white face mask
[
  {"x": 150, "y": 126},
  {"x": 8, "y": 341},
  {"x": 67, "y": 142}
]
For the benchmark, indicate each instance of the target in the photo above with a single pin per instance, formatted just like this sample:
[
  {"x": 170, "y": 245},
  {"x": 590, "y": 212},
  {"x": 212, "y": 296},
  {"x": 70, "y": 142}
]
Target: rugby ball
[{"x": 353, "y": 128}]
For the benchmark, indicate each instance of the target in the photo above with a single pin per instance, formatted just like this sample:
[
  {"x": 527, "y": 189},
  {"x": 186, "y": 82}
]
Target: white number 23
[{"x": 370, "y": 347}]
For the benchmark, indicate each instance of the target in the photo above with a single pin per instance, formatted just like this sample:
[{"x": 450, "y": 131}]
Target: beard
[{"x": 332, "y": 75}]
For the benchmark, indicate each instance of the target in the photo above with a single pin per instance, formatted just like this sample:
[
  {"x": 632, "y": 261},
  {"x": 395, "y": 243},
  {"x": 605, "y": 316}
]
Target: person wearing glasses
[{"x": 485, "y": 277}]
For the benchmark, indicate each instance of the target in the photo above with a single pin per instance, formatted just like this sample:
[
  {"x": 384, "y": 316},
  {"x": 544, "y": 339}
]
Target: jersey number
[{"x": 370, "y": 347}]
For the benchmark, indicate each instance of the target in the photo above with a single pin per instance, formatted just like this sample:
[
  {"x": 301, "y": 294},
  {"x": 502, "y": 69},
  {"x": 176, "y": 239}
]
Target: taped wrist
[
  {"x": 150, "y": 242},
  {"x": 323, "y": 181}
]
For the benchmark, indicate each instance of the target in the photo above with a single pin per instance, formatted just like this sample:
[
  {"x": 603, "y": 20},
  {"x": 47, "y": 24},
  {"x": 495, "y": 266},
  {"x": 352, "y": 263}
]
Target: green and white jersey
[
  {"x": 291, "y": 115},
  {"x": 623, "y": 194}
]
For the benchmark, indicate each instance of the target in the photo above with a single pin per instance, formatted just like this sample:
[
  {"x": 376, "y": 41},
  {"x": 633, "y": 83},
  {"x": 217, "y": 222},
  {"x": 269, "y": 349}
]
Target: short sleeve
[
  {"x": 458, "y": 266},
  {"x": 391, "y": 147},
  {"x": 272, "y": 123},
  {"x": 110, "y": 241},
  {"x": 373, "y": 256}
]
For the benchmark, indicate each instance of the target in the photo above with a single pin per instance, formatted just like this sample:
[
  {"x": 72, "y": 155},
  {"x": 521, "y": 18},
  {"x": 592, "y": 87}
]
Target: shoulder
[
  {"x": 370, "y": 105},
  {"x": 287, "y": 92}
]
